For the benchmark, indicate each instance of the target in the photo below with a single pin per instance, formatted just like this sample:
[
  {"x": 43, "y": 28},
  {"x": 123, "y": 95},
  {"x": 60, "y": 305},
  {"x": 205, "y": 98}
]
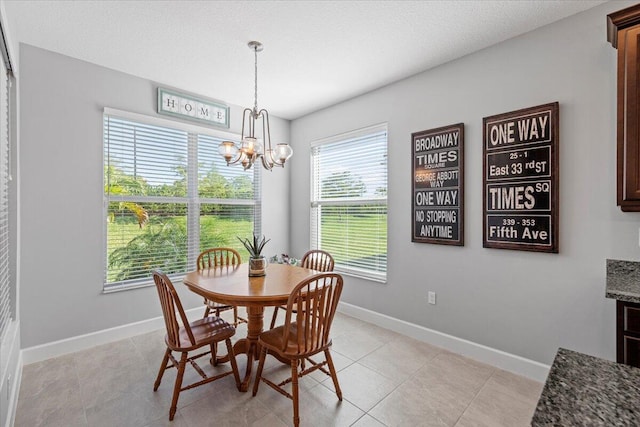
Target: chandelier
[{"x": 251, "y": 148}]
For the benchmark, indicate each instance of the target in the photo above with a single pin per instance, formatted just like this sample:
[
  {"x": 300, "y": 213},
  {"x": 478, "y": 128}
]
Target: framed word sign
[
  {"x": 520, "y": 183},
  {"x": 438, "y": 185},
  {"x": 192, "y": 108}
]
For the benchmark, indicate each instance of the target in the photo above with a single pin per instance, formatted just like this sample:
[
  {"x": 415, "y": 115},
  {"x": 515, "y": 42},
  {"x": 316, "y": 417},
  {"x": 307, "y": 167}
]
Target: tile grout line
[
  {"x": 475, "y": 396},
  {"x": 84, "y": 407},
  {"x": 367, "y": 412}
]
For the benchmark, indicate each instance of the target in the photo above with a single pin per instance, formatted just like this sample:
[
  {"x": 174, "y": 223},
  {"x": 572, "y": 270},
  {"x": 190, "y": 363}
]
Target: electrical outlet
[{"x": 432, "y": 297}]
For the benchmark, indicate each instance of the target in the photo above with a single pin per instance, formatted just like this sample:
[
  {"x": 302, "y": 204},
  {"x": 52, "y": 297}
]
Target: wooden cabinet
[
  {"x": 623, "y": 31},
  {"x": 628, "y": 333}
]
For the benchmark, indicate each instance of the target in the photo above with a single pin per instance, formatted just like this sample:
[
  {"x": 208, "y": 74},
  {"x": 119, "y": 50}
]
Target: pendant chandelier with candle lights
[{"x": 251, "y": 148}]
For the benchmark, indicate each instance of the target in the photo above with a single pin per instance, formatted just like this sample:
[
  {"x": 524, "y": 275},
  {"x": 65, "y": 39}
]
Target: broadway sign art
[{"x": 438, "y": 185}]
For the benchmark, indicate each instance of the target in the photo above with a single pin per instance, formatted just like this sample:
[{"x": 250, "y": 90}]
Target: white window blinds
[
  {"x": 168, "y": 196},
  {"x": 349, "y": 201},
  {"x": 6, "y": 303}
]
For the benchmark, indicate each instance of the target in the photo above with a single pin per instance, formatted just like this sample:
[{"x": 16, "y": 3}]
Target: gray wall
[
  {"x": 61, "y": 259},
  {"x": 524, "y": 303}
]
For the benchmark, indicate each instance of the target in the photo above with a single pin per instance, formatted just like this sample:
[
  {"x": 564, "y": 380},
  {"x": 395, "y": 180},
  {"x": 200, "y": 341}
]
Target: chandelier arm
[
  {"x": 244, "y": 115},
  {"x": 273, "y": 160},
  {"x": 266, "y": 132},
  {"x": 266, "y": 129},
  {"x": 252, "y": 125},
  {"x": 237, "y": 159},
  {"x": 266, "y": 163}
]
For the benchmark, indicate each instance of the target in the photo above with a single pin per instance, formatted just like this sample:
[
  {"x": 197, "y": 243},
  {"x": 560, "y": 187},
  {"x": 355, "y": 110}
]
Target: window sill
[
  {"x": 144, "y": 283},
  {"x": 362, "y": 275}
]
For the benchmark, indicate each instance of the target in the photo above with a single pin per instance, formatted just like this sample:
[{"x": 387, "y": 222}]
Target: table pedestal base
[{"x": 248, "y": 345}]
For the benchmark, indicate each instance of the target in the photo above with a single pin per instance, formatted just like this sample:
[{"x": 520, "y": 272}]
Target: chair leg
[
  {"x": 334, "y": 376},
  {"x": 214, "y": 354},
  {"x": 235, "y": 316},
  {"x": 294, "y": 391},
  {"x": 275, "y": 315},
  {"x": 234, "y": 364},
  {"x": 163, "y": 367},
  {"x": 178, "y": 385},
  {"x": 263, "y": 356}
]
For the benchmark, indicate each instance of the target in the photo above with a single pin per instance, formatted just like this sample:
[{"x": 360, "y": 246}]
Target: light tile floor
[{"x": 387, "y": 379}]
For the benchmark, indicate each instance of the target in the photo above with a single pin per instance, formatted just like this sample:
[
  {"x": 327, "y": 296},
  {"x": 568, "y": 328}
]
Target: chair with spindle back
[
  {"x": 184, "y": 337},
  {"x": 216, "y": 257},
  {"x": 305, "y": 333},
  {"x": 314, "y": 259}
]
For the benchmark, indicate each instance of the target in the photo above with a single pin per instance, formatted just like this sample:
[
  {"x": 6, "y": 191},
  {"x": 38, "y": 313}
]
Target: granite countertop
[
  {"x": 583, "y": 390},
  {"x": 623, "y": 280}
]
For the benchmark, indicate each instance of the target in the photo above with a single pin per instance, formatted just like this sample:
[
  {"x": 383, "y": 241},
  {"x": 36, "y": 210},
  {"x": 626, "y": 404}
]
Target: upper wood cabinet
[{"x": 623, "y": 31}]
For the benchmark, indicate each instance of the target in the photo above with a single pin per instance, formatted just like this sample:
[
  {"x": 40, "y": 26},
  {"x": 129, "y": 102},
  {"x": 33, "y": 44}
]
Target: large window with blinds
[
  {"x": 349, "y": 201},
  {"x": 7, "y": 282},
  {"x": 168, "y": 196}
]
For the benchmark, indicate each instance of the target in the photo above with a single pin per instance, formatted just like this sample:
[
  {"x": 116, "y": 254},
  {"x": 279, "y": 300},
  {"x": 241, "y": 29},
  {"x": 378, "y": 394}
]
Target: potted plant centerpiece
[{"x": 257, "y": 261}]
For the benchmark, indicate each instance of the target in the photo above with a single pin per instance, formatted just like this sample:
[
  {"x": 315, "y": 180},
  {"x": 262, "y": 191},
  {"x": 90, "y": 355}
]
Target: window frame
[
  {"x": 8, "y": 290},
  {"x": 316, "y": 200},
  {"x": 192, "y": 199}
]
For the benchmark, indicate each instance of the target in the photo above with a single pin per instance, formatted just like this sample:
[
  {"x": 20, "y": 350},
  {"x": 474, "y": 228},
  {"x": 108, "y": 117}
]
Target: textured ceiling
[{"x": 317, "y": 53}]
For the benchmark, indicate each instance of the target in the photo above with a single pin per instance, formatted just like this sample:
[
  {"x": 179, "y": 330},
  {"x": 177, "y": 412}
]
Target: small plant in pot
[{"x": 257, "y": 261}]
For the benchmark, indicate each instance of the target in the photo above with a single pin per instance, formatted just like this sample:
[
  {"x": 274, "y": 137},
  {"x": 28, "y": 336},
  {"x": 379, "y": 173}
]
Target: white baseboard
[
  {"x": 82, "y": 342},
  {"x": 500, "y": 359}
]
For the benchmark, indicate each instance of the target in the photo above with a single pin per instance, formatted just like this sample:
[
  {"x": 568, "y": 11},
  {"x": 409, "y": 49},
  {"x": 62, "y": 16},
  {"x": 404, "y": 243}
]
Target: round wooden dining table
[{"x": 232, "y": 285}]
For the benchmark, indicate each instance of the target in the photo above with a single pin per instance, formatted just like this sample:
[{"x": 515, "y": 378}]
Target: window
[
  {"x": 168, "y": 196},
  {"x": 349, "y": 201},
  {"x": 7, "y": 282}
]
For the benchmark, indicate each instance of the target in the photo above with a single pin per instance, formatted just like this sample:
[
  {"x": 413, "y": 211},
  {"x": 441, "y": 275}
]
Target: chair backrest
[
  {"x": 317, "y": 259},
  {"x": 171, "y": 309},
  {"x": 216, "y": 257},
  {"x": 314, "y": 300}
]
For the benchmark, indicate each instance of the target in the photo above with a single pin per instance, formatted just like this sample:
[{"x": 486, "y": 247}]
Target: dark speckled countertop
[
  {"x": 623, "y": 280},
  {"x": 584, "y": 390}
]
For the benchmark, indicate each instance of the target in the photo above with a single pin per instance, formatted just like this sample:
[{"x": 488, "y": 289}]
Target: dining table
[{"x": 232, "y": 285}]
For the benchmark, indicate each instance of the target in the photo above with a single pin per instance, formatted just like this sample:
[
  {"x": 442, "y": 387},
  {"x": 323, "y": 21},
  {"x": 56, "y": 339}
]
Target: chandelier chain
[{"x": 255, "y": 93}]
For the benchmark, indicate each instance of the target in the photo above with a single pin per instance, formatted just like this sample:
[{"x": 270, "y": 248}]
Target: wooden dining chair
[
  {"x": 314, "y": 259},
  {"x": 305, "y": 333},
  {"x": 185, "y": 337},
  {"x": 216, "y": 257}
]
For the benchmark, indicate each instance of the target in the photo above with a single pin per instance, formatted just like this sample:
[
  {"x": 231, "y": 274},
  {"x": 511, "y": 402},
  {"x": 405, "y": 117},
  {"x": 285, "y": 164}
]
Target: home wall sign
[
  {"x": 438, "y": 185},
  {"x": 192, "y": 108},
  {"x": 520, "y": 179}
]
